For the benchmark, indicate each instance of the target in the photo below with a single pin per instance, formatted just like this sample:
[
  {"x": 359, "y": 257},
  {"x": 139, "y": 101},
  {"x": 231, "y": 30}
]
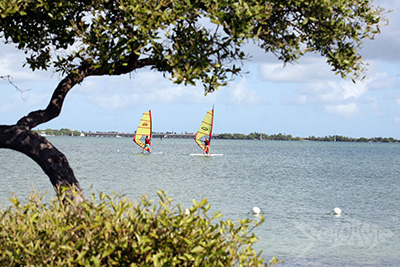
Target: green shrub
[{"x": 115, "y": 231}]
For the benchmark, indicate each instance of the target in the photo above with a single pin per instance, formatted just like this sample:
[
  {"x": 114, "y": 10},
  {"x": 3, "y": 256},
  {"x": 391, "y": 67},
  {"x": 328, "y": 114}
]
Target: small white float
[
  {"x": 256, "y": 210},
  {"x": 337, "y": 211}
]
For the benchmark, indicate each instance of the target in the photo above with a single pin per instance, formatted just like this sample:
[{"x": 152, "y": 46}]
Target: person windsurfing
[
  {"x": 147, "y": 144},
  {"x": 207, "y": 146}
]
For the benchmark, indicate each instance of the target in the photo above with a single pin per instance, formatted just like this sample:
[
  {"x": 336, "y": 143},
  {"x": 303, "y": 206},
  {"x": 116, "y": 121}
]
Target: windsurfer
[
  {"x": 207, "y": 146},
  {"x": 147, "y": 144}
]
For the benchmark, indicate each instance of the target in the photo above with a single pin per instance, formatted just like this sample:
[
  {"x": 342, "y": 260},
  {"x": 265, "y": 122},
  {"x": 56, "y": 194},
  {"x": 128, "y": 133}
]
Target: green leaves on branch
[
  {"x": 115, "y": 231},
  {"x": 188, "y": 41}
]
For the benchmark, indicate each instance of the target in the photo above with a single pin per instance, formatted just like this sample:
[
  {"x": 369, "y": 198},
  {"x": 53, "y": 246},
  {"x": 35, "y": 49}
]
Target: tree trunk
[
  {"x": 20, "y": 137},
  {"x": 50, "y": 159}
]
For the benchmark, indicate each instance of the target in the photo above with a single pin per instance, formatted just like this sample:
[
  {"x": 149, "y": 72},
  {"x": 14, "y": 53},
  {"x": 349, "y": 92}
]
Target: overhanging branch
[{"x": 86, "y": 69}]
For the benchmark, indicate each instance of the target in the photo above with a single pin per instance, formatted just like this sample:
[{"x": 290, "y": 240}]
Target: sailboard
[
  {"x": 152, "y": 153},
  {"x": 204, "y": 132},
  {"x": 144, "y": 129},
  {"x": 206, "y": 155}
]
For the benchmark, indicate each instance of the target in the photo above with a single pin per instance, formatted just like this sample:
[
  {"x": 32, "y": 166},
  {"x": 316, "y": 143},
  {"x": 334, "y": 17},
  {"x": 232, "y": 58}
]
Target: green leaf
[{"x": 197, "y": 249}]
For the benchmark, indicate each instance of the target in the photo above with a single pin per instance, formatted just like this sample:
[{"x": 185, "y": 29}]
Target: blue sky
[{"x": 301, "y": 99}]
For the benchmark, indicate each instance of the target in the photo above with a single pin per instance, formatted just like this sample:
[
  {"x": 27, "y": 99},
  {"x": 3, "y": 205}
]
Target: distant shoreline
[{"x": 226, "y": 136}]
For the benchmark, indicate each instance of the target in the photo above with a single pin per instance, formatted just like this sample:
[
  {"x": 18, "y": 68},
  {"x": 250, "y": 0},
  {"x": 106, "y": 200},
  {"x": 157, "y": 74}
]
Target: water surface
[{"x": 296, "y": 185}]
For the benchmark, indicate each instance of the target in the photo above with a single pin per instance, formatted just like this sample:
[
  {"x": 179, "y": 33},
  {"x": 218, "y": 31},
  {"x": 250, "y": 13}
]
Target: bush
[{"x": 114, "y": 231}]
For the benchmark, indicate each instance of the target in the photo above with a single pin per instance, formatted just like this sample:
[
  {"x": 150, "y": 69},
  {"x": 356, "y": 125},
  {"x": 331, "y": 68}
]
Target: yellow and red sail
[
  {"x": 144, "y": 129},
  {"x": 205, "y": 130}
]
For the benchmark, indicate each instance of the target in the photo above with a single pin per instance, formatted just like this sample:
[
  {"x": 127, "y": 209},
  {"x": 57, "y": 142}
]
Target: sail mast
[
  {"x": 212, "y": 122},
  {"x": 151, "y": 125}
]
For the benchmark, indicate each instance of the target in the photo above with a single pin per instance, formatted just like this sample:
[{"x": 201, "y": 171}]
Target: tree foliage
[
  {"x": 62, "y": 131},
  {"x": 188, "y": 41},
  {"x": 116, "y": 231},
  {"x": 289, "y": 137}
]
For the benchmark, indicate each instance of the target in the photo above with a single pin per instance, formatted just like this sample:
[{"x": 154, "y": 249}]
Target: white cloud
[
  {"x": 344, "y": 110},
  {"x": 240, "y": 94},
  {"x": 11, "y": 61},
  {"x": 146, "y": 87},
  {"x": 331, "y": 92},
  {"x": 353, "y": 90},
  {"x": 382, "y": 76},
  {"x": 333, "y": 97},
  {"x": 309, "y": 69}
]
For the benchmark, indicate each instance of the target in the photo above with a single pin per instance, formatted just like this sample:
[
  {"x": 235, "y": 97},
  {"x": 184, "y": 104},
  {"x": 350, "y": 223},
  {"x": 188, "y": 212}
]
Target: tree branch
[
  {"x": 133, "y": 63},
  {"x": 50, "y": 159},
  {"x": 86, "y": 69},
  {"x": 8, "y": 78}
]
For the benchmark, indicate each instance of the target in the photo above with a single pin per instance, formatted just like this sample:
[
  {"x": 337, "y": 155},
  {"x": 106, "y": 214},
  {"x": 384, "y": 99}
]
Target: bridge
[{"x": 131, "y": 135}]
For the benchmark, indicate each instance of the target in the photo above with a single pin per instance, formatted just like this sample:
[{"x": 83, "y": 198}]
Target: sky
[{"x": 302, "y": 99}]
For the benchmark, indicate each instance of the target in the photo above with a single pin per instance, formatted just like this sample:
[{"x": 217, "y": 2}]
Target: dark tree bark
[
  {"x": 50, "y": 159},
  {"x": 20, "y": 137}
]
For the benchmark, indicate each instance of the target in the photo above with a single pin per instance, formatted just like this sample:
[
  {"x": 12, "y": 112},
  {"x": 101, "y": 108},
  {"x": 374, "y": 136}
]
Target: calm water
[{"x": 296, "y": 185}]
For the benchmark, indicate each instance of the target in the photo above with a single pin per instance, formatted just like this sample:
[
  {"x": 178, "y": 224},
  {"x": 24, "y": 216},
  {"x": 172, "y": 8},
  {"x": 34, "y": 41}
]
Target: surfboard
[
  {"x": 146, "y": 153},
  {"x": 206, "y": 155}
]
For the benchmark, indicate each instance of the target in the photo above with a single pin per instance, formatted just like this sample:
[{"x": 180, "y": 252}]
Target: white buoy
[
  {"x": 256, "y": 210},
  {"x": 337, "y": 211}
]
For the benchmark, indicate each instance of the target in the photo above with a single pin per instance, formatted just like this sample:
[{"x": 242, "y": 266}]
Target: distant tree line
[
  {"x": 289, "y": 137},
  {"x": 63, "y": 131},
  {"x": 256, "y": 136}
]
